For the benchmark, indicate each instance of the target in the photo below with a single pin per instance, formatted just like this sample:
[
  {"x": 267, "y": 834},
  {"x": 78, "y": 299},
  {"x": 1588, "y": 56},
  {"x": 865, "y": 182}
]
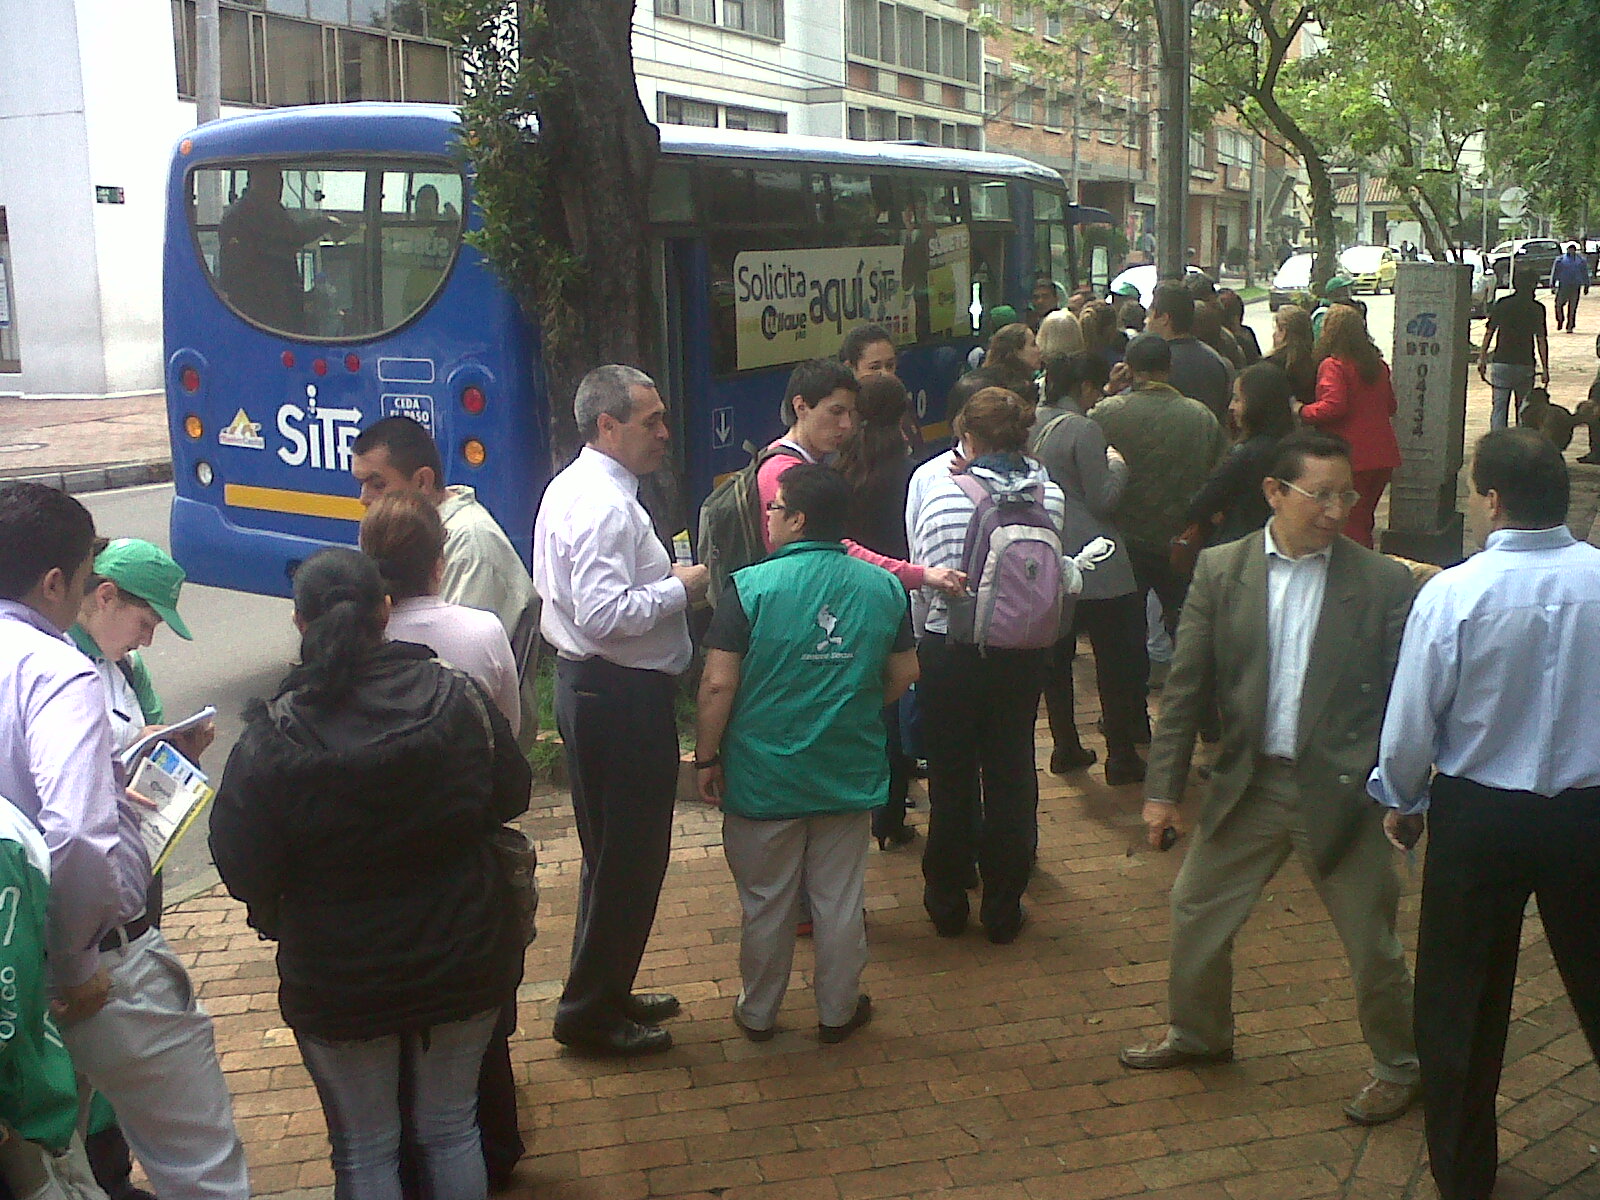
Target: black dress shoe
[
  {"x": 1003, "y": 933},
  {"x": 652, "y": 1008},
  {"x": 750, "y": 1031},
  {"x": 1066, "y": 759},
  {"x": 832, "y": 1034},
  {"x": 626, "y": 1040},
  {"x": 900, "y": 835},
  {"x": 1124, "y": 768}
]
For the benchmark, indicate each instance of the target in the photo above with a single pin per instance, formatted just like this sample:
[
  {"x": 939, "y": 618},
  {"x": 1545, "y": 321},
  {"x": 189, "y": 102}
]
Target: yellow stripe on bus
[{"x": 301, "y": 504}]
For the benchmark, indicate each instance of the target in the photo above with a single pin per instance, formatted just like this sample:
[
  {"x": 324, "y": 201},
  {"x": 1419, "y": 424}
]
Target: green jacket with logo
[
  {"x": 806, "y": 733},
  {"x": 38, "y": 1092}
]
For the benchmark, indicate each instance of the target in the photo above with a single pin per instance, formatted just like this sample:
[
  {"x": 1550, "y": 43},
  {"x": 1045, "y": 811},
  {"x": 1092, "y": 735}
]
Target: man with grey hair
[{"x": 614, "y": 609}]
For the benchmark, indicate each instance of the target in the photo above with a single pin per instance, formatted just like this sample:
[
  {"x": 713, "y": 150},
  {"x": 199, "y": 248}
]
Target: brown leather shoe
[
  {"x": 1381, "y": 1102},
  {"x": 1163, "y": 1056}
]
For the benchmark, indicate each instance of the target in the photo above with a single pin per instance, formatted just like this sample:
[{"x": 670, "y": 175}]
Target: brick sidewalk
[{"x": 989, "y": 1071}]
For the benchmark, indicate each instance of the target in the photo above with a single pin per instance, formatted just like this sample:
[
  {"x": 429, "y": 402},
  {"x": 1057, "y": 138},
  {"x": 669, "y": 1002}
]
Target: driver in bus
[{"x": 258, "y": 269}]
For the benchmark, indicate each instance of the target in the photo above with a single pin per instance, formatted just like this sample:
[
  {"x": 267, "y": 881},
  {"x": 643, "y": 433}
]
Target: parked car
[
  {"x": 1144, "y": 277},
  {"x": 1369, "y": 267},
  {"x": 1483, "y": 282},
  {"x": 1524, "y": 254},
  {"x": 1293, "y": 278}
]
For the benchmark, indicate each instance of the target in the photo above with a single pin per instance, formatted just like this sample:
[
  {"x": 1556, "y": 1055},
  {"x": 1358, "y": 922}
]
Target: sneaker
[{"x": 1381, "y": 1102}]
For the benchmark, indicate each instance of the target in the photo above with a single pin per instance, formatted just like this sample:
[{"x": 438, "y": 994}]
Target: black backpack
[{"x": 732, "y": 523}]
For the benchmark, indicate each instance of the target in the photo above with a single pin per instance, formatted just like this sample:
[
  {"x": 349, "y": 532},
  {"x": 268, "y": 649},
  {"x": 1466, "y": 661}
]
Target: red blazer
[{"x": 1361, "y": 413}]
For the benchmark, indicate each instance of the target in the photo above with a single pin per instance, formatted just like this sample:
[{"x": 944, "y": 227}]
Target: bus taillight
[
  {"x": 189, "y": 380},
  {"x": 193, "y": 427},
  {"x": 319, "y": 366},
  {"x": 352, "y": 362},
  {"x": 473, "y": 400},
  {"x": 287, "y": 358},
  {"x": 473, "y": 451}
]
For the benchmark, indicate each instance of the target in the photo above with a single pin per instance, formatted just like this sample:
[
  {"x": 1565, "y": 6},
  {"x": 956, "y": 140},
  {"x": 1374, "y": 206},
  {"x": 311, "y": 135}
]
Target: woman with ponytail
[{"x": 355, "y": 820}]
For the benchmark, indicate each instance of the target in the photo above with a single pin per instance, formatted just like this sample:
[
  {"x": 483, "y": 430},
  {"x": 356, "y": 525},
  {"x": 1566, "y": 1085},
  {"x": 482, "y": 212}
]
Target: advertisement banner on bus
[
  {"x": 950, "y": 282},
  {"x": 796, "y": 304}
]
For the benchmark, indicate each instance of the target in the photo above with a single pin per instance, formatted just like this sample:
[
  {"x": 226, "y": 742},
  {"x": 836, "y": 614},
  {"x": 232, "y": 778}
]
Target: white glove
[{"x": 1087, "y": 559}]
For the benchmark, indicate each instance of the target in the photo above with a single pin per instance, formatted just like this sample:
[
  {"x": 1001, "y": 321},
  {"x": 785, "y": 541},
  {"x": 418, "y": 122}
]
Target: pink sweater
[{"x": 909, "y": 574}]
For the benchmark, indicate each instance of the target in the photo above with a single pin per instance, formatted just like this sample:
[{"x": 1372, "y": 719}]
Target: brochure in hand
[
  {"x": 132, "y": 754},
  {"x": 175, "y": 792}
]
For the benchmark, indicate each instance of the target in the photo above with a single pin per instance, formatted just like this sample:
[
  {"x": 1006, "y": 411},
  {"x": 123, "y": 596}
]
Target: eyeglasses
[
  {"x": 774, "y": 506},
  {"x": 1325, "y": 500}
]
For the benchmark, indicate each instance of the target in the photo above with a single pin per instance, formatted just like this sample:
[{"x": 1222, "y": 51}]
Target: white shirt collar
[
  {"x": 1270, "y": 545},
  {"x": 612, "y": 469}
]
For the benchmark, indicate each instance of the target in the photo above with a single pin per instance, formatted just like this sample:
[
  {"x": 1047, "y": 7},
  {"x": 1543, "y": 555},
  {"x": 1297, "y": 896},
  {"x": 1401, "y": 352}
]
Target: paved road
[
  {"x": 1380, "y": 320},
  {"x": 242, "y": 646}
]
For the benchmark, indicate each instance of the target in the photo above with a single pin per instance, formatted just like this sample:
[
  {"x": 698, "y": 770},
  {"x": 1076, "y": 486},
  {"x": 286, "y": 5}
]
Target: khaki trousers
[{"x": 1218, "y": 885}]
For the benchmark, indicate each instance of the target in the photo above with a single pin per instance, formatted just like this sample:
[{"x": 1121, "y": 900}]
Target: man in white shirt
[
  {"x": 614, "y": 609},
  {"x": 1292, "y": 633},
  {"x": 1495, "y": 687}
]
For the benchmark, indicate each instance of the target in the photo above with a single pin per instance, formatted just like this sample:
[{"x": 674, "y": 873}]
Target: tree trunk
[
  {"x": 597, "y": 152},
  {"x": 1324, "y": 222}
]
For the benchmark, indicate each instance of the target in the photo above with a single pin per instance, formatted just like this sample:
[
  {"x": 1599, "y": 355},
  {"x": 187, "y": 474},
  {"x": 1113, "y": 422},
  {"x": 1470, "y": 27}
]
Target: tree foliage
[{"x": 564, "y": 214}]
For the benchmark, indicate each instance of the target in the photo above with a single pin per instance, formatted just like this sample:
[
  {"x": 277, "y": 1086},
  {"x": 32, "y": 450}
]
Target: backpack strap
[{"x": 1045, "y": 433}]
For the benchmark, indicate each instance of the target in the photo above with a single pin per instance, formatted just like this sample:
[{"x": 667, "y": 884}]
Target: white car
[
  {"x": 1292, "y": 278},
  {"x": 1144, "y": 277}
]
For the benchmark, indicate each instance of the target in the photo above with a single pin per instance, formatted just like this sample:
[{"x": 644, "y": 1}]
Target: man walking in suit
[
  {"x": 1293, "y": 633},
  {"x": 1497, "y": 676}
]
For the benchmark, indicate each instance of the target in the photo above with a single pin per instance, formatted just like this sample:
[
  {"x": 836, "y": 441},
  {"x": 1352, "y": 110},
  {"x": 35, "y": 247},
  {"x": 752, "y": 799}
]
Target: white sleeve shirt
[
  {"x": 1295, "y": 591},
  {"x": 1498, "y": 673},
  {"x": 605, "y": 577}
]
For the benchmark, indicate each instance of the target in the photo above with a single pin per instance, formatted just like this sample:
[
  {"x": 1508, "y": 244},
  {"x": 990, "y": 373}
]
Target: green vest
[
  {"x": 133, "y": 670},
  {"x": 806, "y": 735}
]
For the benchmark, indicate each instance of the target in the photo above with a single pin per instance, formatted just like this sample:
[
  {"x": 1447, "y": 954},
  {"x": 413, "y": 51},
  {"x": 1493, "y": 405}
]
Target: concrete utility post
[
  {"x": 1172, "y": 184},
  {"x": 207, "y": 62},
  {"x": 1431, "y": 348}
]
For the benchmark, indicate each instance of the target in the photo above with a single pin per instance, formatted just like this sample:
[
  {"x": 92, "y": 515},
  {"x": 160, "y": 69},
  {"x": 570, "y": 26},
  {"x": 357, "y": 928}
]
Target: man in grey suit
[{"x": 1294, "y": 633}]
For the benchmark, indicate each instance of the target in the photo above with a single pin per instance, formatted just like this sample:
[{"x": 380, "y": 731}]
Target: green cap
[
  {"x": 1126, "y": 288},
  {"x": 1339, "y": 281},
  {"x": 148, "y": 572},
  {"x": 1003, "y": 314}
]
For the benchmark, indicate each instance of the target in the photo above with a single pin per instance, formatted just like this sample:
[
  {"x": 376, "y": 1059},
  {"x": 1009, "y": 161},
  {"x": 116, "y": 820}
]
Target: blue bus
[{"x": 317, "y": 279}]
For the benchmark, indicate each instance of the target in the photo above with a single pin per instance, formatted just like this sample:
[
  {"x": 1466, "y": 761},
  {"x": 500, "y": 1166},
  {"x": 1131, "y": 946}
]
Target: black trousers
[
  {"x": 892, "y": 815},
  {"x": 1116, "y": 630},
  {"x": 1488, "y": 851},
  {"x": 622, "y": 759},
  {"x": 978, "y": 715},
  {"x": 1153, "y": 572}
]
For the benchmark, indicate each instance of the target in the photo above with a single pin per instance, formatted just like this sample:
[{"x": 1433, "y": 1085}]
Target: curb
[{"x": 101, "y": 478}]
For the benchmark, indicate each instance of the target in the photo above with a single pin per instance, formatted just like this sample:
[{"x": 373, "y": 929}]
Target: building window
[
  {"x": 863, "y": 28},
  {"x": 1052, "y": 111},
  {"x": 268, "y": 58},
  {"x": 1022, "y": 107},
  {"x": 755, "y": 119},
  {"x": 1052, "y": 24},
  {"x": 856, "y": 124},
  {"x": 681, "y": 110},
  {"x": 763, "y": 18},
  {"x": 689, "y": 10},
  {"x": 971, "y": 137},
  {"x": 911, "y": 39},
  {"x": 888, "y": 33},
  {"x": 678, "y": 110}
]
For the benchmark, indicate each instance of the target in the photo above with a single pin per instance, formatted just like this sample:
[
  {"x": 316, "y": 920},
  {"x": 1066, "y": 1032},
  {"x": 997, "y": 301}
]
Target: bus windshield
[{"x": 333, "y": 250}]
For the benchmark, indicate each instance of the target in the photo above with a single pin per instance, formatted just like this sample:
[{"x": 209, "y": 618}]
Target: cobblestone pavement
[{"x": 988, "y": 1072}]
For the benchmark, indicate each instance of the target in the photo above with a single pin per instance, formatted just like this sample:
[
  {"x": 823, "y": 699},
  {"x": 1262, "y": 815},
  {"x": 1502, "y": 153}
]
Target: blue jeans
[
  {"x": 359, "y": 1085},
  {"x": 1506, "y": 380}
]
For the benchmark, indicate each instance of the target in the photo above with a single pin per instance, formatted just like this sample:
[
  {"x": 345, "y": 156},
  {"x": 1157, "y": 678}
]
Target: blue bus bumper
[{"x": 217, "y": 553}]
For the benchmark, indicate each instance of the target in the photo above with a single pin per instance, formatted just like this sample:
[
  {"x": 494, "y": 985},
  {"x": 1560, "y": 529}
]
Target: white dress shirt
[
  {"x": 468, "y": 639},
  {"x": 605, "y": 577},
  {"x": 1498, "y": 673},
  {"x": 1295, "y": 590}
]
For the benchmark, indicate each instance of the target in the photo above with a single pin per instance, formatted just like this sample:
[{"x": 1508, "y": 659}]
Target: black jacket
[
  {"x": 359, "y": 837},
  {"x": 1233, "y": 491}
]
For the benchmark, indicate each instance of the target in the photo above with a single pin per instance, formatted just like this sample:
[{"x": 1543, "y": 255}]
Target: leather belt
[{"x": 123, "y": 934}]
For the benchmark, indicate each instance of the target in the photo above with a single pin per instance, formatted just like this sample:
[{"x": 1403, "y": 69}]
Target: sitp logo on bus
[{"x": 318, "y": 436}]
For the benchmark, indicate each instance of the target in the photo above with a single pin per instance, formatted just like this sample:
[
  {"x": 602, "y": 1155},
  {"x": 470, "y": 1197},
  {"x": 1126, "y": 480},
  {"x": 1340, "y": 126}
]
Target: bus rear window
[{"x": 333, "y": 250}]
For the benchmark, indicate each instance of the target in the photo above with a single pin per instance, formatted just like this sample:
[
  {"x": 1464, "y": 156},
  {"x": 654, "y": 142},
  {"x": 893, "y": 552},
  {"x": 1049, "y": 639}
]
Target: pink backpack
[{"x": 1016, "y": 585}]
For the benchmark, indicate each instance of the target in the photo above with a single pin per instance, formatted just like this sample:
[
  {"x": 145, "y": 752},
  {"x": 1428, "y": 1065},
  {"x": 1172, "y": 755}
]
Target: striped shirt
[{"x": 937, "y": 515}]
